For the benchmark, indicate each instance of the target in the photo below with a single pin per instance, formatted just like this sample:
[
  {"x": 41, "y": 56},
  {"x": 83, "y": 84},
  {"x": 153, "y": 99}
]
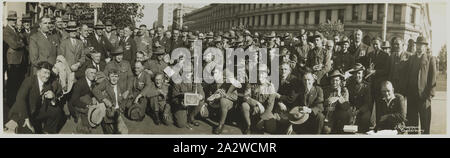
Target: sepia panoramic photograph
[{"x": 204, "y": 68}]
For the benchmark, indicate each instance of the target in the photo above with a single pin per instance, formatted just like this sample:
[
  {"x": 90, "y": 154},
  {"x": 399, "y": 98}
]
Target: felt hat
[
  {"x": 12, "y": 15},
  {"x": 71, "y": 26},
  {"x": 296, "y": 116},
  {"x": 335, "y": 73},
  {"x": 99, "y": 25},
  {"x": 117, "y": 51},
  {"x": 96, "y": 113},
  {"x": 422, "y": 40},
  {"x": 357, "y": 67},
  {"x": 26, "y": 18}
]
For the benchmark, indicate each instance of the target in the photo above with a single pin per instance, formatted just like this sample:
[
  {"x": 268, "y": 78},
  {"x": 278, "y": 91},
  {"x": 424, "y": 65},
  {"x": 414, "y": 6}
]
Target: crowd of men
[{"x": 98, "y": 76}]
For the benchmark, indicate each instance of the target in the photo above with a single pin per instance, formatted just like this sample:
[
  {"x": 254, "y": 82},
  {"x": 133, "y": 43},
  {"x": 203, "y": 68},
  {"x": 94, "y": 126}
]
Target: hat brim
[
  {"x": 421, "y": 43},
  {"x": 294, "y": 120},
  {"x": 11, "y": 18}
]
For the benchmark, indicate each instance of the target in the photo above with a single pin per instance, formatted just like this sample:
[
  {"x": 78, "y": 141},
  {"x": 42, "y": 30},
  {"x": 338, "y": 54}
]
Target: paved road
[{"x": 438, "y": 123}]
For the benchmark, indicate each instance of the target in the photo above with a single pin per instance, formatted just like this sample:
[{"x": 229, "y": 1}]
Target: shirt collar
[{"x": 89, "y": 82}]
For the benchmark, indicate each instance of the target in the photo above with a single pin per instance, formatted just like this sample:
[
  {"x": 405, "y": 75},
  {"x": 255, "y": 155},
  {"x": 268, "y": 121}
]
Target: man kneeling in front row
[{"x": 390, "y": 108}]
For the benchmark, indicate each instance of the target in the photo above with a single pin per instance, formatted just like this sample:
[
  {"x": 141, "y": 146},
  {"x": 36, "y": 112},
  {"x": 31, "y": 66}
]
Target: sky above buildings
[{"x": 438, "y": 17}]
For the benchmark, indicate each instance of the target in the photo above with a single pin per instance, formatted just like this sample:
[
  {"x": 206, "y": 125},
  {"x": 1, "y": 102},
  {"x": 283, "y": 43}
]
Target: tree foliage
[
  {"x": 120, "y": 14},
  {"x": 329, "y": 29},
  {"x": 443, "y": 59}
]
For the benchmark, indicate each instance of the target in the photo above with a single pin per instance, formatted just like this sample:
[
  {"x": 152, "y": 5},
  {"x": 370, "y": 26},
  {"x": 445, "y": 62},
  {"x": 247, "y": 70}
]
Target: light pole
[{"x": 385, "y": 21}]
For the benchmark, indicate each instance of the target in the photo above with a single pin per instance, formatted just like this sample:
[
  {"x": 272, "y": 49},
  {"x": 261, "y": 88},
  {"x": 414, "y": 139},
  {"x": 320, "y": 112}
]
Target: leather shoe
[{"x": 219, "y": 129}]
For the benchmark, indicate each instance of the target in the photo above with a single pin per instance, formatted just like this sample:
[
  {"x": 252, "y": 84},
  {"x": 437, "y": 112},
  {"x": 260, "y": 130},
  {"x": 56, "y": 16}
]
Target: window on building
[
  {"x": 280, "y": 18},
  {"x": 297, "y": 14},
  {"x": 369, "y": 14},
  {"x": 306, "y": 17},
  {"x": 380, "y": 14},
  {"x": 253, "y": 21},
  {"x": 288, "y": 18},
  {"x": 265, "y": 20},
  {"x": 317, "y": 17},
  {"x": 413, "y": 15},
  {"x": 328, "y": 15},
  {"x": 397, "y": 13},
  {"x": 273, "y": 19},
  {"x": 355, "y": 16},
  {"x": 341, "y": 15}
]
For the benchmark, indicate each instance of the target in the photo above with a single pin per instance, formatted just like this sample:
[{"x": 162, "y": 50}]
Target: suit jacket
[
  {"x": 319, "y": 56},
  {"x": 42, "y": 48},
  {"x": 29, "y": 98},
  {"x": 106, "y": 90},
  {"x": 398, "y": 71},
  {"x": 289, "y": 90},
  {"x": 176, "y": 43},
  {"x": 360, "y": 53},
  {"x": 88, "y": 63},
  {"x": 142, "y": 84},
  {"x": 102, "y": 45},
  {"x": 72, "y": 53},
  {"x": 314, "y": 99},
  {"x": 359, "y": 95},
  {"x": 421, "y": 76},
  {"x": 16, "y": 48},
  {"x": 129, "y": 54},
  {"x": 382, "y": 64},
  {"x": 80, "y": 88}
]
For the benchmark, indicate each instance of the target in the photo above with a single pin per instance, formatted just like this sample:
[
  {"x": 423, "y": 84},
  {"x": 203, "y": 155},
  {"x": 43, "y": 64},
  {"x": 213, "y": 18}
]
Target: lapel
[
  {"x": 46, "y": 40},
  {"x": 110, "y": 91},
  {"x": 310, "y": 96}
]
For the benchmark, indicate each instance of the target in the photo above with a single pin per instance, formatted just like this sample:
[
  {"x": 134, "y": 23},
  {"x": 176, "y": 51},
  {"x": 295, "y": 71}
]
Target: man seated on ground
[
  {"x": 157, "y": 65},
  {"x": 311, "y": 99},
  {"x": 185, "y": 114},
  {"x": 258, "y": 103},
  {"x": 360, "y": 98},
  {"x": 83, "y": 87},
  {"x": 224, "y": 94},
  {"x": 337, "y": 108},
  {"x": 390, "y": 108},
  {"x": 139, "y": 89},
  {"x": 287, "y": 93},
  {"x": 110, "y": 93},
  {"x": 158, "y": 99},
  {"x": 92, "y": 60}
]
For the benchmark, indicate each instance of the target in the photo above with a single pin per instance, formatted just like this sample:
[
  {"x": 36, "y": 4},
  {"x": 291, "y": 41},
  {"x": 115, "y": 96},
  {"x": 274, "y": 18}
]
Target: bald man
[{"x": 390, "y": 108}]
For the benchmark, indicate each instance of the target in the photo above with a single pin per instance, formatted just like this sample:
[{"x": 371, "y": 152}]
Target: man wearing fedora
[
  {"x": 344, "y": 60},
  {"x": 318, "y": 58},
  {"x": 36, "y": 109},
  {"x": 311, "y": 100},
  {"x": 360, "y": 98},
  {"x": 124, "y": 68},
  {"x": 113, "y": 95},
  {"x": 110, "y": 34},
  {"x": 157, "y": 64},
  {"x": 72, "y": 49},
  {"x": 390, "y": 108},
  {"x": 100, "y": 43},
  {"x": 42, "y": 46},
  {"x": 421, "y": 81},
  {"x": 399, "y": 62},
  {"x": 336, "y": 103},
  {"x": 15, "y": 57}
]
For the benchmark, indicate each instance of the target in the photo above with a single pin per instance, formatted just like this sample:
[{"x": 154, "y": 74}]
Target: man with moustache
[{"x": 42, "y": 46}]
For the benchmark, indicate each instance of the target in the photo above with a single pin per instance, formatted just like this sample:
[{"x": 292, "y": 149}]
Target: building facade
[
  {"x": 169, "y": 13},
  {"x": 405, "y": 20}
]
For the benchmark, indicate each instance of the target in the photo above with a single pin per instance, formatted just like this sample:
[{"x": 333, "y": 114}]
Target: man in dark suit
[
  {"x": 83, "y": 87},
  {"x": 421, "y": 81},
  {"x": 42, "y": 46},
  {"x": 92, "y": 60},
  {"x": 359, "y": 49},
  {"x": 14, "y": 55},
  {"x": 318, "y": 58},
  {"x": 312, "y": 101},
  {"x": 36, "y": 109},
  {"x": 100, "y": 43},
  {"x": 128, "y": 45},
  {"x": 379, "y": 67},
  {"x": 110, "y": 93}
]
